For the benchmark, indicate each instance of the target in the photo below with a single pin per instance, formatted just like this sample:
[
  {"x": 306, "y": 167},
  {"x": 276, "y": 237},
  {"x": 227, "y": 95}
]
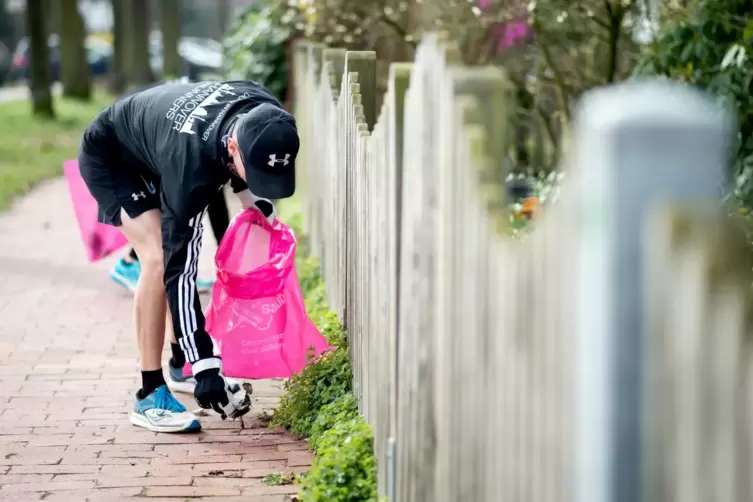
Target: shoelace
[{"x": 165, "y": 401}]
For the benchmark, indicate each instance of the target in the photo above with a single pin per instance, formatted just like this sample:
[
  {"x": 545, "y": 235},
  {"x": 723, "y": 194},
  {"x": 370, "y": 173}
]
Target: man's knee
[
  {"x": 144, "y": 233},
  {"x": 152, "y": 263}
]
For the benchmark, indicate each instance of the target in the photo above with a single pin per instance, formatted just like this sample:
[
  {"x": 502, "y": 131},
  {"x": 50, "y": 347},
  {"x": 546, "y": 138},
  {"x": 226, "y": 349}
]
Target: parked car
[
  {"x": 98, "y": 52},
  {"x": 200, "y": 57}
]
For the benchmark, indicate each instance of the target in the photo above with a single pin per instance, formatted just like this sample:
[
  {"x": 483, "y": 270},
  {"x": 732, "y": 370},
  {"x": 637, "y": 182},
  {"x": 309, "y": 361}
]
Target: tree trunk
[
  {"x": 52, "y": 16},
  {"x": 74, "y": 66},
  {"x": 170, "y": 13},
  {"x": 224, "y": 16},
  {"x": 40, "y": 78},
  {"x": 119, "y": 50},
  {"x": 137, "y": 39}
]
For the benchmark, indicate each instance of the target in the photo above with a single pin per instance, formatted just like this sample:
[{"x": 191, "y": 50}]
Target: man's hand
[{"x": 213, "y": 392}]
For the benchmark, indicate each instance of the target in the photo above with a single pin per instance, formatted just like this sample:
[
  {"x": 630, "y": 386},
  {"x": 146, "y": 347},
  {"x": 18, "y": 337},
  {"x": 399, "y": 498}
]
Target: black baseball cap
[{"x": 268, "y": 143}]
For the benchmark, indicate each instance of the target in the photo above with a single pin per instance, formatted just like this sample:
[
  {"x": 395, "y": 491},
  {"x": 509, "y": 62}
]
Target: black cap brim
[{"x": 279, "y": 184}]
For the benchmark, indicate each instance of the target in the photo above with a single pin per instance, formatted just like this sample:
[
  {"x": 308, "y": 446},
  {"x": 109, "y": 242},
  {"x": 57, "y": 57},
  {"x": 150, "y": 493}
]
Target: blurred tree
[
  {"x": 52, "y": 12},
  {"x": 137, "y": 30},
  {"x": 74, "y": 66},
  {"x": 119, "y": 71},
  {"x": 255, "y": 46},
  {"x": 553, "y": 51},
  {"x": 224, "y": 16},
  {"x": 170, "y": 14},
  {"x": 40, "y": 73},
  {"x": 707, "y": 44},
  {"x": 7, "y": 27}
]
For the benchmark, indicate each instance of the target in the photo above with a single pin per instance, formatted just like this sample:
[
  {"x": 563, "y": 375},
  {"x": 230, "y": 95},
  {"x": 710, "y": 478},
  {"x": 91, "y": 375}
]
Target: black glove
[
  {"x": 212, "y": 391},
  {"x": 266, "y": 207}
]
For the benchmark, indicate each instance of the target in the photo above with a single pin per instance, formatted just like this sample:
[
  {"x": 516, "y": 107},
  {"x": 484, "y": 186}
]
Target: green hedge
[{"x": 318, "y": 403}]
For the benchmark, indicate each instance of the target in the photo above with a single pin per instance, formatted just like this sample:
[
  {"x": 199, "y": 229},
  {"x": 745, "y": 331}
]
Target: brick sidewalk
[{"x": 68, "y": 371}]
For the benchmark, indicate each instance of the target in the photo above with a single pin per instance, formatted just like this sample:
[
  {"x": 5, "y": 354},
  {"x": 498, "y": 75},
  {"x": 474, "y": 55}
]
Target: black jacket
[{"x": 176, "y": 130}]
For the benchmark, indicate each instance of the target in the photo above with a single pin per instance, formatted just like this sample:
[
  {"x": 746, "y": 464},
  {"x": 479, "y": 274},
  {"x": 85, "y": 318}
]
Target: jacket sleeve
[
  {"x": 237, "y": 184},
  {"x": 181, "y": 244},
  {"x": 240, "y": 189}
]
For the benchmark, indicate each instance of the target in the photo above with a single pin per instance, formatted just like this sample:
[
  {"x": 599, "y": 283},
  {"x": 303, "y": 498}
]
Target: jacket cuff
[{"x": 206, "y": 364}]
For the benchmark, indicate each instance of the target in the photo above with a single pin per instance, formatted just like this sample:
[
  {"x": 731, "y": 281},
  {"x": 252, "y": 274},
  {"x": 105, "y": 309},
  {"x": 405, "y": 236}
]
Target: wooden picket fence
[{"x": 604, "y": 357}]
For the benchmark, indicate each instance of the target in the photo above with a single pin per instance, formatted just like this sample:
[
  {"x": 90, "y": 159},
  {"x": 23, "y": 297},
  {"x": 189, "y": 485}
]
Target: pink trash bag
[
  {"x": 100, "y": 240},
  {"x": 257, "y": 314}
]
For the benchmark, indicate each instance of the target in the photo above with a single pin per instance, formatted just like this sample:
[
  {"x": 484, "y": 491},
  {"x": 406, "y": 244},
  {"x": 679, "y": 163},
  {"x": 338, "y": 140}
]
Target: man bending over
[{"x": 153, "y": 161}]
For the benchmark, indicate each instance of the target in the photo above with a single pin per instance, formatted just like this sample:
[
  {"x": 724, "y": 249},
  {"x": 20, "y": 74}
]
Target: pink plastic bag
[
  {"x": 99, "y": 240},
  {"x": 257, "y": 314}
]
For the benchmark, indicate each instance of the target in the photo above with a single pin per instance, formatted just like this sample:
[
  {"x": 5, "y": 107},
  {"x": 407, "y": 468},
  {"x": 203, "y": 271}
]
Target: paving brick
[
  {"x": 297, "y": 446},
  {"x": 54, "y": 469},
  {"x": 67, "y": 381},
  {"x": 114, "y": 482},
  {"x": 189, "y": 491},
  {"x": 24, "y": 478},
  {"x": 22, "y": 497},
  {"x": 30, "y": 459},
  {"x": 80, "y": 459},
  {"x": 44, "y": 487},
  {"x": 228, "y": 482},
  {"x": 298, "y": 458},
  {"x": 271, "y": 490},
  {"x": 96, "y": 495}
]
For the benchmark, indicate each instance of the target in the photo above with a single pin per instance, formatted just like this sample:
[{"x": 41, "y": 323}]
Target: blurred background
[{"x": 200, "y": 29}]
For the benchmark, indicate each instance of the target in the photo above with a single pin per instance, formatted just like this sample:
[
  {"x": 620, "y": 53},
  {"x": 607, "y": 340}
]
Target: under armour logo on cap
[{"x": 274, "y": 160}]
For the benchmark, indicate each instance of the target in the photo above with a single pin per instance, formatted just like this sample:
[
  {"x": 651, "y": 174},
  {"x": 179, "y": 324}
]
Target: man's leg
[
  {"x": 150, "y": 307},
  {"x": 156, "y": 409}
]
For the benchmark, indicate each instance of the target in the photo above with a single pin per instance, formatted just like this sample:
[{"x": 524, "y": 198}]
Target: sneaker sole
[
  {"x": 123, "y": 281},
  {"x": 140, "y": 421}
]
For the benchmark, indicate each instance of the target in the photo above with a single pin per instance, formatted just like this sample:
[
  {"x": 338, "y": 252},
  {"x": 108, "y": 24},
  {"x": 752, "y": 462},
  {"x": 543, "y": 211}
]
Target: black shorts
[{"x": 115, "y": 178}]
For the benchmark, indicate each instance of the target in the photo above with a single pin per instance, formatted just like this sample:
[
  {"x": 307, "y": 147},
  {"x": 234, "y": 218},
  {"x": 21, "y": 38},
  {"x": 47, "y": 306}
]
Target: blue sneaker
[
  {"x": 126, "y": 274},
  {"x": 204, "y": 285},
  {"x": 186, "y": 384},
  {"x": 161, "y": 412}
]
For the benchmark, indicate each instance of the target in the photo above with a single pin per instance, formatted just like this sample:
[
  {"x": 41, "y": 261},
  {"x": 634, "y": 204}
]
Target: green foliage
[
  {"x": 33, "y": 149},
  {"x": 708, "y": 46},
  {"x": 327, "y": 377},
  {"x": 345, "y": 468},
  {"x": 255, "y": 48},
  {"x": 309, "y": 276},
  {"x": 344, "y": 409},
  {"x": 282, "y": 478},
  {"x": 318, "y": 402},
  {"x": 320, "y": 383}
]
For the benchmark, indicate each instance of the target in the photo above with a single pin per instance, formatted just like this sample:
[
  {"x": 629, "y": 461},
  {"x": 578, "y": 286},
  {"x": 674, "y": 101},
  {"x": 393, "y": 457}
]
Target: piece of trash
[
  {"x": 200, "y": 412},
  {"x": 248, "y": 388},
  {"x": 216, "y": 473}
]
